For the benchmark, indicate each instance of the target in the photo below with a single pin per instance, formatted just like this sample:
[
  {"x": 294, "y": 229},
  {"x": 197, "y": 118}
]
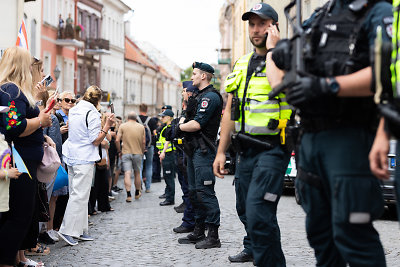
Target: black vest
[
  {"x": 337, "y": 45},
  {"x": 210, "y": 130}
]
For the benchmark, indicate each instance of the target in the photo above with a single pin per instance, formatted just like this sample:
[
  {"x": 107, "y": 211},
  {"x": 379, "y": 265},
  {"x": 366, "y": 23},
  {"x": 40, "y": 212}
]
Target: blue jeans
[{"x": 149, "y": 166}]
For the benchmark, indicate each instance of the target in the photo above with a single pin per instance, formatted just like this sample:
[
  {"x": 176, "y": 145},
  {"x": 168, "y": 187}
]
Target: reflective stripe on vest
[
  {"x": 258, "y": 109},
  {"x": 161, "y": 141},
  {"x": 395, "y": 66}
]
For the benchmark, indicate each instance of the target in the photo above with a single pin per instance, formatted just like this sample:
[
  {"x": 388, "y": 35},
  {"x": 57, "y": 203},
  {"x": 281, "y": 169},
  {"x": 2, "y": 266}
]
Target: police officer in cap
[
  {"x": 186, "y": 207},
  {"x": 259, "y": 172},
  {"x": 337, "y": 190},
  {"x": 201, "y": 130}
]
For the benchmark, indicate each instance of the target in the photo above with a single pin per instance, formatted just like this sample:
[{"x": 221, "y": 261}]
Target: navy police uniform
[
  {"x": 205, "y": 108},
  {"x": 337, "y": 191}
]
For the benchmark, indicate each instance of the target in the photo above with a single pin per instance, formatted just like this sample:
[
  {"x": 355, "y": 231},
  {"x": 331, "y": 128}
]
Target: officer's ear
[{"x": 203, "y": 76}]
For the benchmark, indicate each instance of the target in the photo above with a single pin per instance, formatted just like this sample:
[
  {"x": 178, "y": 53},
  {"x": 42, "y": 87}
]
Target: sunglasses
[{"x": 67, "y": 100}]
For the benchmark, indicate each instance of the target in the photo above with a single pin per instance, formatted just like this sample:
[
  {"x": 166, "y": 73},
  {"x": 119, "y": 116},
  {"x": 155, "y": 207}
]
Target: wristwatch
[{"x": 333, "y": 85}]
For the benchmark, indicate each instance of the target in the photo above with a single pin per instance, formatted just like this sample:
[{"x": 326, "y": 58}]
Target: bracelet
[
  {"x": 6, "y": 173},
  {"x": 40, "y": 123},
  {"x": 103, "y": 131},
  {"x": 270, "y": 50}
]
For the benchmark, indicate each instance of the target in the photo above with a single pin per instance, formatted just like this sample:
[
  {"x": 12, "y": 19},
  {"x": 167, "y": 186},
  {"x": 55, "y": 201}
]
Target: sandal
[{"x": 39, "y": 250}]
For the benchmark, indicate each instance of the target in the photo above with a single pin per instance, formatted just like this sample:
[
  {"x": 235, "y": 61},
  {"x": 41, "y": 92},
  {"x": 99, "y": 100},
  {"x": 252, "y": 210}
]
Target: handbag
[
  {"x": 49, "y": 165},
  {"x": 43, "y": 203},
  {"x": 102, "y": 163}
]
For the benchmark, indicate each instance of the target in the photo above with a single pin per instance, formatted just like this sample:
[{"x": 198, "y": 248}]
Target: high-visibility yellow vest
[
  {"x": 395, "y": 66},
  {"x": 258, "y": 108},
  {"x": 161, "y": 141}
]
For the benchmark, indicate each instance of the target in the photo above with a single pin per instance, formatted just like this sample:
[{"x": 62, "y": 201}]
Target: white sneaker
[
  {"x": 114, "y": 193},
  {"x": 53, "y": 235}
]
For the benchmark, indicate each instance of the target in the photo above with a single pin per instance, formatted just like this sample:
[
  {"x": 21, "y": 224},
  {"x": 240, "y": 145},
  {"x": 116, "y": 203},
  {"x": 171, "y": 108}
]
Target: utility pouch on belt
[
  {"x": 309, "y": 178},
  {"x": 202, "y": 145}
]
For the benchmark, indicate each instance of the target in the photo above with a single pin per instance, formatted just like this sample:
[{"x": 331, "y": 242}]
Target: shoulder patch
[
  {"x": 204, "y": 103},
  {"x": 388, "y": 24}
]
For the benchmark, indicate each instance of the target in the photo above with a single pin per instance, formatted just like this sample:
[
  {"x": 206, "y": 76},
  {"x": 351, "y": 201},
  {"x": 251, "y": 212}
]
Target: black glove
[
  {"x": 308, "y": 87},
  {"x": 281, "y": 55}
]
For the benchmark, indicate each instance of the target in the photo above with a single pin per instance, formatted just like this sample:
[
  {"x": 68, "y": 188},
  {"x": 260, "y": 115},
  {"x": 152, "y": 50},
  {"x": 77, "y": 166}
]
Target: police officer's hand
[
  {"x": 219, "y": 165},
  {"x": 273, "y": 36},
  {"x": 378, "y": 156},
  {"x": 162, "y": 156},
  {"x": 306, "y": 88}
]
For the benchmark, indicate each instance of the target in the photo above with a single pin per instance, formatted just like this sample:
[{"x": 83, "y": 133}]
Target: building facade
[
  {"x": 113, "y": 64},
  {"x": 59, "y": 44}
]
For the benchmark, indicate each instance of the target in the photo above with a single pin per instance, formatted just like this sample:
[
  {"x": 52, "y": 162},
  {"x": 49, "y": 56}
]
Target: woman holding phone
[{"x": 22, "y": 125}]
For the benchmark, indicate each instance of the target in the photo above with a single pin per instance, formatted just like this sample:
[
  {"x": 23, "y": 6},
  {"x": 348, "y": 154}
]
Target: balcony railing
[{"x": 98, "y": 43}]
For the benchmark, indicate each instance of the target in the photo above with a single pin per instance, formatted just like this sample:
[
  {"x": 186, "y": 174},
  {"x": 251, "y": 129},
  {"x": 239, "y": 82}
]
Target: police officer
[
  {"x": 389, "y": 126},
  {"x": 259, "y": 172},
  {"x": 188, "y": 221},
  {"x": 337, "y": 191},
  {"x": 201, "y": 130},
  {"x": 167, "y": 157}
]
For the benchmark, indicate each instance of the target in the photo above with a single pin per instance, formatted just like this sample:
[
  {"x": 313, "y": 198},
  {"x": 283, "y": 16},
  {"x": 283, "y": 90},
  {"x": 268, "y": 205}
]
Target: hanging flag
[
  {"x": 22, "y": 39},
  {"x": 18, "y": 161}
]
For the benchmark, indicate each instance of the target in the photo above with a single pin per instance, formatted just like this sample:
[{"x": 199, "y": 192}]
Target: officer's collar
[{"x": 258, "y": 57}]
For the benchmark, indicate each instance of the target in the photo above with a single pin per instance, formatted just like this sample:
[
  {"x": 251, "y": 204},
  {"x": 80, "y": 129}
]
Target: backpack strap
[
  {"x": 87, "y": 115},
  {"x": 139, "y": 120},
  {"x": 147, "y": 120}
]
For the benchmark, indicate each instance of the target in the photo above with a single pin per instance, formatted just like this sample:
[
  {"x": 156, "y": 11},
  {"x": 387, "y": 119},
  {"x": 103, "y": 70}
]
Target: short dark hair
[{"x": 143, "y": 107}]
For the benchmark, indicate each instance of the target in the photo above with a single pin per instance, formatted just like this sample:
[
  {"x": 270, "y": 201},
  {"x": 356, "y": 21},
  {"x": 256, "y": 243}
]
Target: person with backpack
[{"x": 150, "y": 126}]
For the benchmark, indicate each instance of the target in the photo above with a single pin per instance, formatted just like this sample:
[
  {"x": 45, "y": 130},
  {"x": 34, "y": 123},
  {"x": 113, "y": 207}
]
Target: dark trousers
[
  {"x": 16, "y": 222},
  {"x": 156, "y": 166},
  {"x": 99, "y": 192},
  {"x": 169, "y": 175},
  {"x": 201, "y": 182},
  {"x": 259, "y": 184},
  {"x": 188, "y": 214},
  {"x": 341, "y": 199}
]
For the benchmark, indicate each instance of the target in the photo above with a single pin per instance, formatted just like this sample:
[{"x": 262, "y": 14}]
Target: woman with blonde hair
[
  {"x": 22, "y": 125},
  {"x": 80, "y": 152}
]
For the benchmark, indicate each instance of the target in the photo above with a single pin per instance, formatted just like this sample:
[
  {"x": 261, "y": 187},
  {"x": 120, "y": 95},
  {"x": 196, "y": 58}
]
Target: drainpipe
[{"x": 141, "y": 84}]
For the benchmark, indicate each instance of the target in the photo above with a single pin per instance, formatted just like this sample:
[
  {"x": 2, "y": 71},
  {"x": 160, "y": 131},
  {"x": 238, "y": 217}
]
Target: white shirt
[{"x": 78, "y": 148}]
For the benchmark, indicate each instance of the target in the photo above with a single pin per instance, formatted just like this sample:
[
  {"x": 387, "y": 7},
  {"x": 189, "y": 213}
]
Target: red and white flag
[{"x": 22, "y": 39}]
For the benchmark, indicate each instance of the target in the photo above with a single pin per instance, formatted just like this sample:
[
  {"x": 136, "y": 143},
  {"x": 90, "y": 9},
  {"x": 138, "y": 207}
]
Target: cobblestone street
[{"x": 140, "y": 234}]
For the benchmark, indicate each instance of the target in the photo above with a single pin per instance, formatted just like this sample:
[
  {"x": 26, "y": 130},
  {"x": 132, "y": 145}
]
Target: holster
[{"x": 240, "y": 140}]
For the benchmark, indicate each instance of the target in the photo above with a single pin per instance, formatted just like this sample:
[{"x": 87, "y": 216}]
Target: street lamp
[
  {"x": 113, "y": 96},
  {"x": 56, "y": 72}
]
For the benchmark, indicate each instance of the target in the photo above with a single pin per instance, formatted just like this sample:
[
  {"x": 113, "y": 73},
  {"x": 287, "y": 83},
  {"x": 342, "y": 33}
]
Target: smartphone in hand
[
  {"x": 112, "y": 108},
  {"x": 53, "y": 101},
  {"x": 47, "y": 80}
]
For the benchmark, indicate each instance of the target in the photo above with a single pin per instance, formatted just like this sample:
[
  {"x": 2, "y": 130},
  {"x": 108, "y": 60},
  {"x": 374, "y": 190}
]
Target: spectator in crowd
[
  {"x": 22, "y": 125},
  {"x": 67, "y": 101},
  {"x": 100, "y": 191},
  {"x": 147, "y": 162},
  {"x": 59, "y": 198},
  {"x": 133, "y": 145},
  {"x": 118, "y": 164},
  {"x": 80, "y": 152}
]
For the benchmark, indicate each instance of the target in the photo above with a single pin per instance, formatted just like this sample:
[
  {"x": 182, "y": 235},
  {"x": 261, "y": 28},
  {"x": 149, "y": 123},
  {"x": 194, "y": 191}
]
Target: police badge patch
[
  {"x": 204, "y": 104},
  {"x": 388, "y": 21}
]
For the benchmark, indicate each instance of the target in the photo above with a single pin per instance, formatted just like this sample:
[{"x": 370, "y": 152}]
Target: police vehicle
[{"x": 388, "y": 185}]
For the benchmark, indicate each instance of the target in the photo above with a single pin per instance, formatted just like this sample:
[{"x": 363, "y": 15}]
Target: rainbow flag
[{"x": 22, "y": 39}]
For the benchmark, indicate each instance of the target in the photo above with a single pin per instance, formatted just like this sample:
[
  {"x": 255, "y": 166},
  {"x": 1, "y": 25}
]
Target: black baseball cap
[
  {"x": 166, "y": 107},
  {"x": 203, "y": 66},
  {"x": 167, "y": 112},
  {"x": 263, "y": 10},
  {"x": 189, "y": 86}
]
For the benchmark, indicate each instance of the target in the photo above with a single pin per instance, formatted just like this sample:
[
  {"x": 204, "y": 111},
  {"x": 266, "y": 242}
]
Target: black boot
[
  {"x": 196, "y": 236},
  {"x": 181, "y": 208},
  {"x": 241, "y": 257},
  {"x": 212, "y": 239}
]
